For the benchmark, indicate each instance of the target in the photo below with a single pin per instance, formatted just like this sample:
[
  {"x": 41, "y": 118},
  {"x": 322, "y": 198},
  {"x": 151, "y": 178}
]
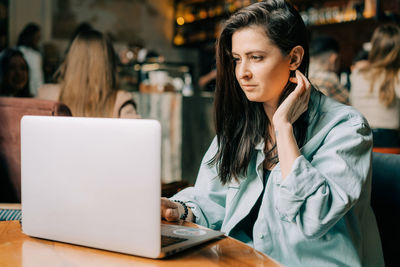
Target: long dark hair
[
  {"x": 241, "y": 124},
  {"x": 26, "y": 37}
]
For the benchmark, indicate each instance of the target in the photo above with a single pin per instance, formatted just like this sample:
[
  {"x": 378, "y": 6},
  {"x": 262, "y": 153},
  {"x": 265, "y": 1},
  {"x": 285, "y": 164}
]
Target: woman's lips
[{"x": 248, "y": 86}]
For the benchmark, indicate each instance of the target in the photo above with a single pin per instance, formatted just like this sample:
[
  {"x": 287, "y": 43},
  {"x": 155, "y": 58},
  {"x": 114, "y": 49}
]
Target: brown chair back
[{"x": 11, "y": 112}]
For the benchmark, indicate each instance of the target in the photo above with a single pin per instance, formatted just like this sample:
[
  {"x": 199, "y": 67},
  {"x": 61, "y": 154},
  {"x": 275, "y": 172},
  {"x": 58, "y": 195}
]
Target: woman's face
[
  {"x": 261, "y": 69},
  {"x": 17, "y": 74}
]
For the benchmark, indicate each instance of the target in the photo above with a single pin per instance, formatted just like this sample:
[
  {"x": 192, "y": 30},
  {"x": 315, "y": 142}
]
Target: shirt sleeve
[
  {"x": 318, "y": 192},
  {"x": 207, "y": 198}
]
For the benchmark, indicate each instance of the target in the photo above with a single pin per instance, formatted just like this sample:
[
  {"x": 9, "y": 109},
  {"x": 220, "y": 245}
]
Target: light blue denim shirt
[{"x": 320, "y": 215}]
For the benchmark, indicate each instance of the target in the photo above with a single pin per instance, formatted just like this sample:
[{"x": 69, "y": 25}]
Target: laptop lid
[{"x": 93, "y": 182}]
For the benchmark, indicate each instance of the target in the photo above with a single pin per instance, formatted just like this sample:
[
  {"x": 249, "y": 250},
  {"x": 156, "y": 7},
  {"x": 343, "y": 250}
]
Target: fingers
[
  {"x": 296, "y": 102},
  {"x": 301, "y": 93},
  {"x": 302, "y": 82},
  {"x": 165, "y": 202},
  {"x": 171, "y": 215},
  {"x": 169, "y": 210},
  {"x": 307, "y": 85},
  {"x": 306, "y": 89}
]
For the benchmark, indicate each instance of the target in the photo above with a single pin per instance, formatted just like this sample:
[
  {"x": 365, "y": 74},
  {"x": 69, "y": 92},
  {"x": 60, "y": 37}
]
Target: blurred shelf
[{"x": 197, "y": 22}]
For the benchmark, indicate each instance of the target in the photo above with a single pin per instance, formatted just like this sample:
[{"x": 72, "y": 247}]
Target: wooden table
[{"x": 18, "y": 249}]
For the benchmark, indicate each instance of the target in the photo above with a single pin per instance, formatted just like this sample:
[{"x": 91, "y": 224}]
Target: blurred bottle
[
  {"x": 188, "y": 15},
  {"x": 202, "y": 13},
  {"x": 369, "y": 8}
]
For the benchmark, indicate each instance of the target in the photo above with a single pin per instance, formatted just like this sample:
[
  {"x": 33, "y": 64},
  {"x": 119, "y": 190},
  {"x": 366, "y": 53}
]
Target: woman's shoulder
[
  {"x": 29, "y": 52},
  {"x": 49, "y": 91},
  {"x": 125, "y": 106},
  {"x": 359, "y": 74},
  {"x": 334, "y": 113},
  {"x": 360, "y": 65},
  {"x": 123, "y": 95},
  {"x": 334, "y": 122}
]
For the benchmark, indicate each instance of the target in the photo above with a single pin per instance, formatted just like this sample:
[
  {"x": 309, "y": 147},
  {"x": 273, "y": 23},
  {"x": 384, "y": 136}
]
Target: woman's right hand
[
  {"x": 169, "y": 210},
  {"x": 296, "y": 103}
]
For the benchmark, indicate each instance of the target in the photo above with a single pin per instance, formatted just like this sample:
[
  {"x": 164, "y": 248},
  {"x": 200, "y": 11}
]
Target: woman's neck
[{"x": 269, "y": 109}]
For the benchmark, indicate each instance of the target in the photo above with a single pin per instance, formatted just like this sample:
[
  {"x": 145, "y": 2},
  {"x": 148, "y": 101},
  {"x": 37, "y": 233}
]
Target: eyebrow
[{"x": 251, "y": 52}]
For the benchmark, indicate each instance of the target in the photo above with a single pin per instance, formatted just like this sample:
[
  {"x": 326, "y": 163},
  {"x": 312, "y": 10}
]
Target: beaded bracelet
[{"x": 185, "y": 214}]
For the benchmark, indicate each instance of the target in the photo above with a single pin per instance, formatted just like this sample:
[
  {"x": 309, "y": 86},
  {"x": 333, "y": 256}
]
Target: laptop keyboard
[{"x": 170, "y": 240}]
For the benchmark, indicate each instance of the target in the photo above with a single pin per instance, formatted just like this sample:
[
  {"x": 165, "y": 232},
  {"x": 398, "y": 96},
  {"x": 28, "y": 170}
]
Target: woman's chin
[{"x": 254, "y": 97}]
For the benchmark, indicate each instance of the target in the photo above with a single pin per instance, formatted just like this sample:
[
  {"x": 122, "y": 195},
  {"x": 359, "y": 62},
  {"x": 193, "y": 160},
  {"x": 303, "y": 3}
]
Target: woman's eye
[
  {"x": 235, "y": 59},
  {"x": 257, "y": 58}
]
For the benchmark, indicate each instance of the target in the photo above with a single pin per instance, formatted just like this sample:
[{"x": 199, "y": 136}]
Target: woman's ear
[{"x": 296, "y": 56}]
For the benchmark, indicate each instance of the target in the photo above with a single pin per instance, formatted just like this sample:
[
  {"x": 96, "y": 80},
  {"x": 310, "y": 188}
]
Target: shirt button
[{"x": 260, "y": 235}]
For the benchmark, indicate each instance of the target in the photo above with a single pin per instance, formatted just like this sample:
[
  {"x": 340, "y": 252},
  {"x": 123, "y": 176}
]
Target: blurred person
[
  {"x": 14, "y": 74},
  {"x": 360, "y": 60},
  {"x": 82, "y": 27},
  {"x": 324, "y": 65},
  {"x": 375, "y": 86},
  {"x": 28, "y": 44},
  {"x": 207, "y": 81},
  {"x": 87, "y": 80},
  {"x": 289, "y": 172},
  {"x": 208, "y": 75}
]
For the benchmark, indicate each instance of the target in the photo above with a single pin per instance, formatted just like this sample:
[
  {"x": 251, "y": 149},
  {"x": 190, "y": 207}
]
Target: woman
[
  {"x": 28, "y": 44},
  {"x": 375, "y": 86},
  {"x": 88, "y": 80},
  {"x": 14, "y": 74},
  {"x": 289, "y": 171}
]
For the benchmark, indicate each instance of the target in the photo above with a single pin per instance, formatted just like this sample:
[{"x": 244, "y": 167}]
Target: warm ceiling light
[{"x": 180, "y": 20}]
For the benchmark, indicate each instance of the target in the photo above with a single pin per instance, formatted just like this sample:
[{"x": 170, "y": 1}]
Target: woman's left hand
[{"x": 296, "y": 103}]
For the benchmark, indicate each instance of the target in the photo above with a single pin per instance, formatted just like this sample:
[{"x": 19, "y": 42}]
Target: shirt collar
[{"x": 260, "y": 145}]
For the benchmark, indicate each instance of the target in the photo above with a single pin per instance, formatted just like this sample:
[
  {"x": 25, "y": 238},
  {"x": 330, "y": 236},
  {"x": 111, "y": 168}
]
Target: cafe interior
[{"x": 166, "y": 67}]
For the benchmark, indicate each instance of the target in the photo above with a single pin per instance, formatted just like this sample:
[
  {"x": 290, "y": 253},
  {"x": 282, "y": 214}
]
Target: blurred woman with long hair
[
  {"x": 375, "y": 87},
  {"x": 88, "y": 80},
  {"x": 28, "y": 44}
]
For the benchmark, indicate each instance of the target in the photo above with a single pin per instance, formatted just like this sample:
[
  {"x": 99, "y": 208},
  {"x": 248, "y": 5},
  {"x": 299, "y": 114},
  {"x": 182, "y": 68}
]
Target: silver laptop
[{"x": 96, "y": 182}]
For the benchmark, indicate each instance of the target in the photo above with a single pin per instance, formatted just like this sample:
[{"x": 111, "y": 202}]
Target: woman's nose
[{"x": 244, "y": 71}]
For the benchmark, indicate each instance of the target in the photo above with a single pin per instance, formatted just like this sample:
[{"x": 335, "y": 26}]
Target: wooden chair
[{"x": 11, "y": 112}]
